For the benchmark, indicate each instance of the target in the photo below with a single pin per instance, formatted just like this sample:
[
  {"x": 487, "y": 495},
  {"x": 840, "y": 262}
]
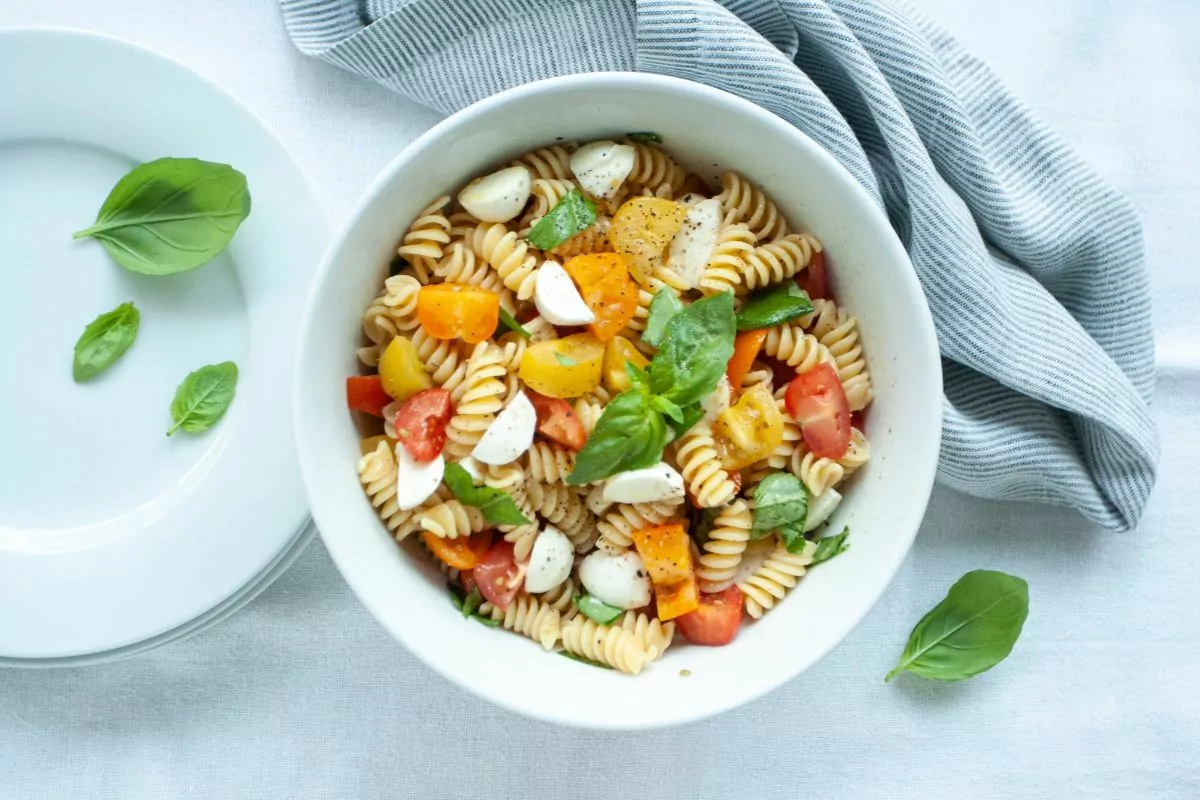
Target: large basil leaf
[
  {"x": 972, "y": 630},
  {"x": 665, "y": 305},
  {"x": 695, "y": 350},
  {"x": 571, "y": 215},
  {"x": 781, "y": 504},
  {"x": 773, "y": 306},
  {"x": 171, "y": 215},
  {"x": 629, "y": 435},
  {"x": 497, "y": 507},
  {"x": 203, "y": 397},
  {"x": 105, "y": 340}
]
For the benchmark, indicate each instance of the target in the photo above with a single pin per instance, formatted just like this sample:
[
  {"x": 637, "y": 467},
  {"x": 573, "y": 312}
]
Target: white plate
[{"x": 111, "y": 533}]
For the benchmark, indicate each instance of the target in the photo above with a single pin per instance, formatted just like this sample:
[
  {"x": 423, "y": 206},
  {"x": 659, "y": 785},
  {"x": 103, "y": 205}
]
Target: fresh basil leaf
[
  {"x": 780, "y": 504},
  {"x": 629, "y": 435},
  {"x": 830, "y": 546},
  {"x": 203, "y": 397},
  {"x": 774, "y": 306},
  {"x": 171, "y": 215},
  {"x": 570, "y": 215},
  {"x": 104, "y": 340},
  {"x": 506, "y": 319},
  {"x": 583, "y": 660},
  {"x": 695, "y": 350},
  {"x": 665, "y": 305},
  {"x": 456, "y": 595},
  {"x": 497, "y": 507},
  {"x": 639, "y": 379},
  {"x": 972, "y": 630},
  {"x": 491, "y": 623},
  {"x": 472, "y": 602},
  {"x": 668, "y": 409},
  {"x": 597, "y": 610},
  {"x": 566, "y": 361},
  {"x": 691, "y": 415},
  {"x": 644, "y": 136}
]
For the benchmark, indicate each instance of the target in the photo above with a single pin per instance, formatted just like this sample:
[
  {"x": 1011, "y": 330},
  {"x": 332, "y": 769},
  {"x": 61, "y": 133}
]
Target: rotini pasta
[
  {"x": 611, "y": 645},
  {"x": 548, "y": 163},
  {"x": 777, "y": 260},
  {"x": 656, "y": 636},
  {"x": 789, "y": 343},
  {"x": 780, "y": 573},
  {"x": 564, "y": 509},
  {"x": 479, "y": 400},
  {"x": 742, "y": 201},
  {"x": 509, "y": 255},
  {"x": 429, "y": 233},
  {"x": 529, "y": 617},
  {"x": 655, "y": 170},
  {"x": 549, "y": 463},
  {"x": 725, "y": 546},
  {"x": 723, "y": 273},
  {"x": 617, "y": 527},
  {"x": 706, "y": 480},
  {"x": 838, "y": 332},
  {"x": 451, "y": 519}
]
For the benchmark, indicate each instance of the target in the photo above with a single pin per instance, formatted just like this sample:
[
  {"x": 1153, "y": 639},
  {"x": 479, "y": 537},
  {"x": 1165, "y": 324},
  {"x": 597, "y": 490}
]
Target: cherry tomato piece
[
  {"x": 715, "y": 621},
  {"x": 817, "y": 401},
  {"x": 365, "y": 393},
  {"x": 497, "y": 575},
  {"x": 558, "y": 421},
  {"x": 814, "y": 279},
  {"x": 421, "y": 423},
  {"x": 463, "y": 553}
]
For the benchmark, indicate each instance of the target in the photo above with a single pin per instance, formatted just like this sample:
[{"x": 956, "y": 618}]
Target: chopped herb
[
  {"x": 472, "y": 602},
  {"x": 497, "y": 507},
  {"x": 781, "y": 504},
  {"x": 570, "y": 215},
  {"x": 644, "y": 136},
  {"x": 830, "y": 546},
  {"x": 774, "y": 306},
  {"x": 506, "y": 319},
  {"x": 566, "y": 361},
  {"x": 583, "y": 660}
]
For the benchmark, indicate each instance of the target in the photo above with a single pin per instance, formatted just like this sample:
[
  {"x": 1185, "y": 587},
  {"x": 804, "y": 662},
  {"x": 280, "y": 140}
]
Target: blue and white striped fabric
[{"x": 1033, "y": 266}]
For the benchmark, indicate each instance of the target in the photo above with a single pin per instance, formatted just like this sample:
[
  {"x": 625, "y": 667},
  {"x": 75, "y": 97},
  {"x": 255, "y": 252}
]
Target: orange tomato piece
[
  {"x": 745, "y": 349},
  {"x": 608, "y": 290},
  {"x": 457, "y": 311},
  {"x": 462, "y": 553},
  {"x": 666, "y": 551}
]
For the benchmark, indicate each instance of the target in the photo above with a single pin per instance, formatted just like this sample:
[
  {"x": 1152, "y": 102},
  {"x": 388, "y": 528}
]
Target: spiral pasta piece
[
  {"x": 549, "y": 463},
  {"x": 546, "y": 193},
  {"x": 858, "y": 452},
  {"x": 463, "y": 225},
  {"x": 559, "y": 505},
  {"x": 529, "y": 617},
  {"x": 393, "y": 311},
  {"x": 451, "y": 519},
  {"x": 778, "y": 260},
  {"x": 656, "y": 636},
  {"x": 478, "y": 400},
  {"x": 562, "y": 599},
  {"x": 818, "y": 474},
  {"x": 540, "y": 330},
  {"x": 440, "y": 357},
  {"x": 461, "y": 265},
  {"x": 841, "y": 338},
  {"x": 726, "y": 543},
  {"x": 507, "y": 254},
  {"x": 723, "y": 272},
  {"x": 548, "y": 163},
  {"x": 742, "y": 201},
  {"x": 378, "y": 473},
  {"x": 708, "y": 483},
  {"x": 622, "y": 519},
  {"x": 788, "y": 342},
  {"x": 612, "y": 645},
  {"x": 655, "y": 170},
  {"x": 589, "y": 412},
  {"x": 759, "y": 374},
  {"x": 511, "y": 479},
  {"x": 781, "y": 456},
  {"x": 426, "y": 237},
  {"x": 768, "y": 584}
]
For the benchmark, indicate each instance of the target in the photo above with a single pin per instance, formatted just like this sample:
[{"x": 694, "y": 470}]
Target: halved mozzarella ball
[
  {"x": 648, "y": 485},
  {"x": 497, "y": 197},
  {"x": 693, "y": 244},
  {"x": 416, "y": 481},
  {"x": 820, "y": 507},
  {"x": 601, "y": 167},
  {"x": 550, "y": 561},
  {"x": 557, "y": 299},
  {"x": 619, "y": 580},
  {"x": 510, "y": 434}
]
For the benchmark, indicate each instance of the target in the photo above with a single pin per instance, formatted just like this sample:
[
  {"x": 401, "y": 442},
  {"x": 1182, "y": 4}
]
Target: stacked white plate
[{"x": 115, "y": 538}]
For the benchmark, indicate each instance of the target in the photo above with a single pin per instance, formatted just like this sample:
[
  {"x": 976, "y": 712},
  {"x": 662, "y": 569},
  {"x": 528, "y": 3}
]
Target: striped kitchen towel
[{"x": 1033, "y": 266}]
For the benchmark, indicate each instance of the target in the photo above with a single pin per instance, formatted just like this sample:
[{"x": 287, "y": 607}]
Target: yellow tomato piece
[
  {"x": 606, "y": 287},
  {"x": 749, "y": 430},
  {"x": 567, "y": 367},
  {"x": 641, "y": 230},
  {"x": 401, "y": 370},
  {"x": 616, "y": 353},
  {"x": 667, "y": 553}
]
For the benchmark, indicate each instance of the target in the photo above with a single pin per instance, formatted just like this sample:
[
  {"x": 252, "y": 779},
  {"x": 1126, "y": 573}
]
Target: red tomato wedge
[
  {"x": 557, "y": 420},
  {"x": 814, "y": 279},
  {"x": 365, "y": 393},
  {"x": 463, "y": 553},
  {"x": 816, "y": 400},
  {"x": 716, "y": 621},
  {"x": 497, "y": 575},
  {"x": 421, "y": 423}
]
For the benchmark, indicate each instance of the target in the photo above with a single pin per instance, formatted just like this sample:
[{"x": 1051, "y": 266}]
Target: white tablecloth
[{"x": 303, "y": 695}]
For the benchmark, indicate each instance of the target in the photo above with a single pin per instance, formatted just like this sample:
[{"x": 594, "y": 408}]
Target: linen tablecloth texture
[{"x": 1032, "y": 266}]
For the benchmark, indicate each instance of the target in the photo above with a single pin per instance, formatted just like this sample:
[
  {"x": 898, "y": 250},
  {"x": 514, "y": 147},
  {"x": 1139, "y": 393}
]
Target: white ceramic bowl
[{"x": 711, "y": 131}]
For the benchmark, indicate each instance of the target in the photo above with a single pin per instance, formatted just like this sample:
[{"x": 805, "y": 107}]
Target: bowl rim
[{"x": 922, "y": 329}]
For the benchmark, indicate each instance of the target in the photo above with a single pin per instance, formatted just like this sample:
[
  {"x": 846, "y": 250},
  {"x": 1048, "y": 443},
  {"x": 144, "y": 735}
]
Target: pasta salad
[{"x": 610, "y": 401}]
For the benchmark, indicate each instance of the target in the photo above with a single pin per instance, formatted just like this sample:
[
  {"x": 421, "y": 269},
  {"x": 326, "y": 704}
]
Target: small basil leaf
[
  {"x": 597, "y": 610},
  {"x": 566, "y": 361},
  {"x": 506, "y": 319},
  {"x": 497, "y": 507},
  {"x": 695, "y": 350},
  {"x": 780, "y": 504},
  {"x": 830, "y": 546},
  {"x": 472, "y": 602},
  {"x": 203, "y": 397},
  {"x": 456, "y": 595},
  {"x": 491, "y": 623},
  {"x": 774, "y": 306},
  {"x": 972, "y": 630},
  {"x": 629, "y": 435},
  {"x": 639, "y": 379},
  {"x": 691, "y": 415},
  {"x": 665, "y": 305},
  {"x": 570, "y": 215},
  {"x": 171, "y": 215},
  {"x": 667, "y": 409},
  {"x": 583, "y": 660},
  {"x": 644, "y": 136},
  {"x": 105, "y": 340}
]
